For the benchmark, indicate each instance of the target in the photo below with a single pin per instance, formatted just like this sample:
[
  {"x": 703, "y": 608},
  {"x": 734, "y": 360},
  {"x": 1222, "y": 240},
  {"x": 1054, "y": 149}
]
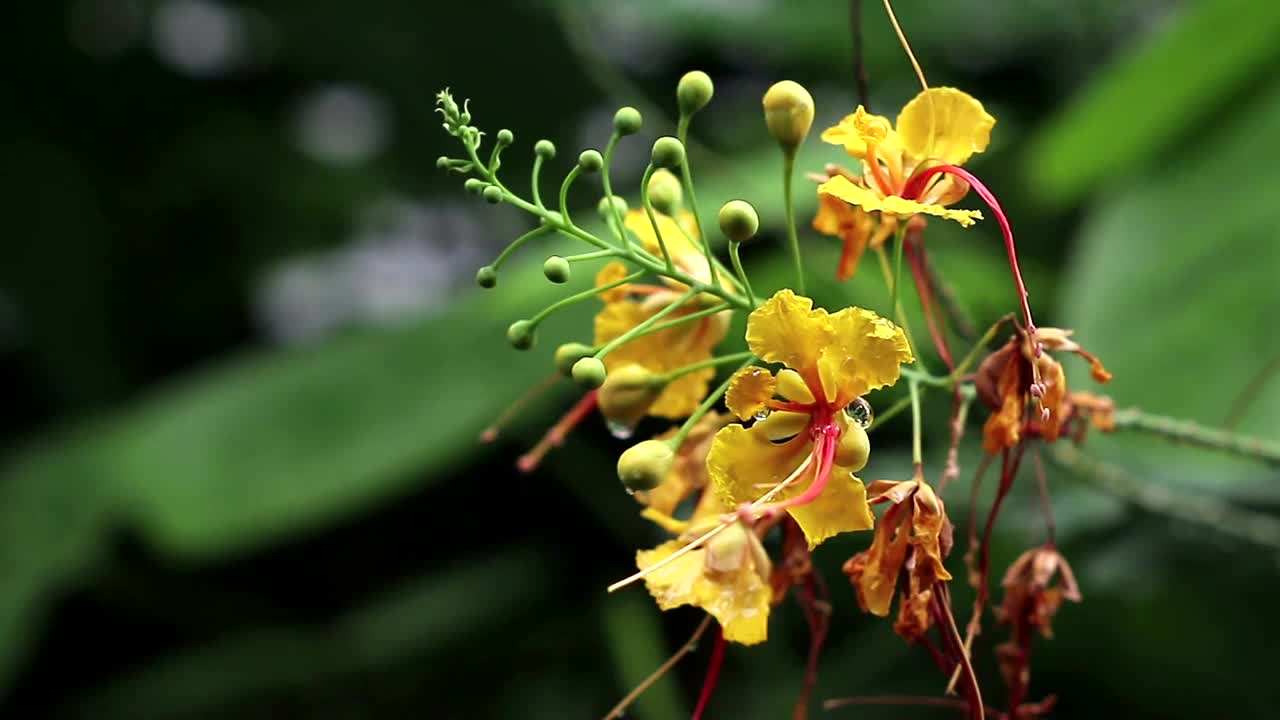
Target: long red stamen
[
  {"x": 556, "y": 435},
  {"x": 713, "y": 675},
  {"x": 917, "y": 184},
  {"x": 491, "y": 433},
  {"x": 914, "y": 248},
  {"x": 824, "y": 451}
]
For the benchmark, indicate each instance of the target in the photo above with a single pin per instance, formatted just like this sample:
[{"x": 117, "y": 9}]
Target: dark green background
[{"x": 199, "y": 520}]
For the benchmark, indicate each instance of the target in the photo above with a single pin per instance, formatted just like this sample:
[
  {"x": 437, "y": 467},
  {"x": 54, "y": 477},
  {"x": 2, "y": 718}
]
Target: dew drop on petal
[
  {"x": 619, "y": 429},
  {"x": 763, "y": 414},
  {"x": 860, "y": 412}
]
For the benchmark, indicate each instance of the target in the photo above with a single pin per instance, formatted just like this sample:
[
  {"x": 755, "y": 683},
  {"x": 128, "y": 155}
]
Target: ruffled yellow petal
[
  {"x": 737, "y": 598},
  {"x": 840, "y": 187},
  {"x": 944, "y": 124},
  {"x": 787, "y": 329},
  {"x": 672, "y": 584},
  {"x": 744, "y": 465},
  {"x": 750, "y": 390},
  {"x": 867, "y": 354},
  {"x": 858, "y": 128},
  {"x": 842, "y": 507},
  {"x": 609, "y": 274}
]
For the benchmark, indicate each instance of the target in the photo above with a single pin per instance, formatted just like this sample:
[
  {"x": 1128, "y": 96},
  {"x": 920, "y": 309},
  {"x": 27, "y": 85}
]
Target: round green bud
[
  {"x": 505, "y": 137},
  {"x": 788, "y": 112},
  {"x": 606, "y": 211},
  {"x": 545, "y": 149},
  {"x": 556, "y": 269},
  {"x": 492, "y": 194},
  {"x": 589, "y": 373},
  {"x": 668, "y": 152},
  {"x": 570, "y": 353},
  {"x": 442, "y": 163},
  {"x": 487, "y": 277},
  {"x": 739, "y": 221},
  {"x": 645, "y": 465},
  {"x": 665, "y": 192},
  {"x": 694, "y": 92},
  {"x": 474, "y": 185},
  {"x": 853, "y": 448},
  {"x": 627, "y": 121},
  {"x": 590, "y": 161},
  {"x": 520, "y": 334}
]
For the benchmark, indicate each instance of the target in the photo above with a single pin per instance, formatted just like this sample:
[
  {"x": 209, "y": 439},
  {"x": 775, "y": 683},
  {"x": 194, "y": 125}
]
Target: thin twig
[
  {"x": 1189, "y": 432},
  {"x": 1251, "y": 392},
  {"x": 860, "y": 80},
  {"x": 690, "y": 645}
]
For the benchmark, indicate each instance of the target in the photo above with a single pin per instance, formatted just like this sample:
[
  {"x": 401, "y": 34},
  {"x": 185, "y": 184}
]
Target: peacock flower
[
  {"x": 804, "y": 446},
  {"x": 1004, "y": 382},
  {"x": 939, "y": 129},
  {"x": 856, "y": 228},
  {"x": 914, "y": 534}
]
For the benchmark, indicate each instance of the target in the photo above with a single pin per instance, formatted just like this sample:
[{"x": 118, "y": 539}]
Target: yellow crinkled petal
[
  {"x": 739, "y": 600},
  {"x": 664, "y": 521},
  {"x": 842, "y": 507},
  {"x": 960, "y": 126},
  {"x": 609, "y": 274},
  {"x": 867, "y": 354},
  {"x": 672, "y": 584},
  {"x": 743, "y": 465},
  {"x": 792, "y": 387},
  {"x": 856, "y": 128},
  {"x": 788, "y": 330},
  {"x": 840, "y": 187},
  {"x": 750, "y": 390},
  {"x": 682, "y": 251}
]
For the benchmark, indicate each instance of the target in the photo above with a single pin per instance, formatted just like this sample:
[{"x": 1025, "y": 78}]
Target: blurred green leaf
[{"x": 1157, "y": 95}]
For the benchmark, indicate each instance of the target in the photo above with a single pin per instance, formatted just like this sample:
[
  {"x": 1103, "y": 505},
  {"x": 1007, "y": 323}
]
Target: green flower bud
[
  {"x": 628, "y": 393},
  {"x": 521, "y": 334},
  {"x": 645, "y": 465},
  {"x": 853, "y": 448},
  {"x": 627, "y": 121},
  {"x": 486, "y": 277},
  {"x": 788, "y": 112},
  {"x": 492, "y": 194},
  {"x": 589, "y": 373},
  {"x": 694, "y": 92},
  {"x": 505, "y": 137},
  {"x": 665, "y": 192},
  {"x": 556, "y": 269},
  {"x": 545, "y": 149},
  {"x": 590, "y": 161},
  {"x": 668, "y": 152},
  {"x": 474, "y": 185},
  {"x": 442, "y": 163},
  {"x": 606, "y": 213},
  {"x": 739, "y": 221},
  {"x": 570, "y": 353}
]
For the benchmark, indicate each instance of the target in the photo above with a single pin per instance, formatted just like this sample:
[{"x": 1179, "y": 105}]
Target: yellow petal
[
  {"x": 664, "y": 521},
  {"x": 740, "y": 601},
  {"x": 840, "y": 187},
  {"x": 609, "y": 274},
  {"x": 867, "y": 353},
  {"x": 674, "y": 234},
  {"x": 672, "y": 584},
  {"x": 855, "y": 129},
  {"x": 750, "y": 389},
  {"x": 842, "y": 507},
  {"x": 782, "y": 425},
  {"x": 743, "y": 464},
  {"x": 788, "y": 330},
  {"x": 792, "y": 387},
  {"x": 944, "y": 124}
]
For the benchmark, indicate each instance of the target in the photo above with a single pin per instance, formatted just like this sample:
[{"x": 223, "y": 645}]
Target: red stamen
[
  {"x": 491, "y": 433},
  {"x": 914, "y": 248},
  {"x": 713, "y": 674},
  {"x": 791, "y": 406},
  {"x": 824, "y": 451},
  {"x": 844, "y": 268},
  {"x": 528, "y": 462},
  {"x": 917, "y": 184}
]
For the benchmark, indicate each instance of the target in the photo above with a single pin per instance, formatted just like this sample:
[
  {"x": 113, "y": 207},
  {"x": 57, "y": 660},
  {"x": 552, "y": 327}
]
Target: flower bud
[
  {"x": 853, "y": 448},
  {"x": 505, "y": 137},
  {"x": 668, "y": 152},
  {"x": 492, "y": 194},
  {"x": 545, "y": 149},
  {"x": 556, "y": 269},
  {"x": 788, "y": 112},
  {"x": 590, "y": 161},
  {"x": 694, "y": 92},
  {"x": 645, "y": 465},
  {"x": 627, "y": 121},
  {"x": 739, "y": 221},
  {"x": 486, "y": 277},
  {"x": 727, "y": 551},
  {"x": 520, "y": 334},
  {"x": 474, "y": 185},
  {"x": 605, "y": 211},
  {"x": 665, "y": 192},
  {"x": 628, "y": 393},
  {"x": 570, "y": 353},
  {"x": 588, "y": 372},
  {"x": 442, "y": 163}
]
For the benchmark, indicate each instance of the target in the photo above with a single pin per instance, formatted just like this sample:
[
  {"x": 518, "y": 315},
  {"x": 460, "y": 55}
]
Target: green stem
[
  {"x": 580, "y": 296},
  {"x": 895, "y": 409},
  {"x": 686, "y": 178},
  {"x": 515, "y": 244},
  {"x": 534, "y": 180},
  {"x": 596, "y": 255},
  {"x": 897, "y": 310},
  {"x": 677, "y": 374},
  {"x": 899, "y": 239},
  {"x": 564, "y": 192},
  {"x": 495, "y": 161},
  {"x": 643, "y": 327},
  {"x": 683, "y": 433},
  {"x": 916, "y": 455},
  {"x": 683, "y": 319},
  {"x": 980, "y": 346},
  {"x": 742, "y": 274},
  {"x": 1188, "y": 432},
  {"x": 653, "y": 219},
  {"x": 788, "y": 168},
  {"x": 619, "y": 228}
]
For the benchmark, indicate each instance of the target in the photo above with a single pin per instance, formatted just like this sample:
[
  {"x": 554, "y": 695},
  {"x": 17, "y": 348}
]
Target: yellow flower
[
  {"x": 940, "y": 126},
  {"x": 807, "y": 441},
  {"x": 857, "y": 228}
]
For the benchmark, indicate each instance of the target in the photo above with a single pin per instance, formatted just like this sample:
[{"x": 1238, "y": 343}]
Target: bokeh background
[{"x": 245, "y": 365}]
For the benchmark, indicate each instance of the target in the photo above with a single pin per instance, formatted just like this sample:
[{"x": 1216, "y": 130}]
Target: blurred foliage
[{"x": 197, "y": 522}]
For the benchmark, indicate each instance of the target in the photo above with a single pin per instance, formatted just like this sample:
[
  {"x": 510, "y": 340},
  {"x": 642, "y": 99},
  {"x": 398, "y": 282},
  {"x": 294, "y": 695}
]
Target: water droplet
[
  {"x": 619, "y": 429},
  {"x": 629, "y": 490},
  {"x": 860, "y": 412},
  {"x": 762, "y": 414}
]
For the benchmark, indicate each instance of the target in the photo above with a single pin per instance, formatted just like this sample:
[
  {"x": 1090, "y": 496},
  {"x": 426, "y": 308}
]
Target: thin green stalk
[
  {"x": 917, "y": 457},
  {"x": 742, "y": 274},
  {"x": 643, "y": 327},
  {"x": 683, "y": 433},
  {"x": 683, "y": 319},
  {"x": 894, "y": 410},
  {"x": 580, "y": 296},
  {"x": 596, "y": 255},
  {"x": 900, "y": 314},
  {"x": 619, "y": 228},
  {"x": 653, "y": 219},
  {"x": 515, "y": 244},
  {"x": 788, "y": 168},
  {"x": 564, "y": 192},
  {"x": 677, "y": 374},
  {"x": 899, "y": 239},
  {"x": 1188, "y": 432},
  {"x": 686, "y": 177},
  {"x": 980, "y": 346},
  {"x": 534, "y": 179}
]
